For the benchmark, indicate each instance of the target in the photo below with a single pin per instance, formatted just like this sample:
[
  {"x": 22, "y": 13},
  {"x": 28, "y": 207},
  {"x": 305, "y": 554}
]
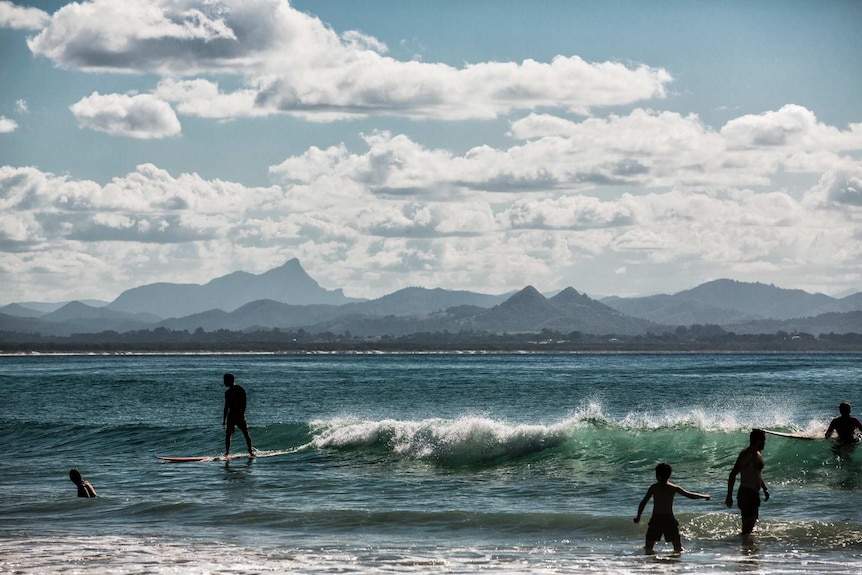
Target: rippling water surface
[{"x": 438, "y": 463}]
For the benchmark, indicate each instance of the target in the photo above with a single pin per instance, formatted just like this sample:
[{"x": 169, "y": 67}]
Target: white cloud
[
  {"x": 141, "y": 116},
  {"x": 643, "y": 149},
  {"x": 7, "y": 125},
  {"x": 21, "y": 18},
  {"x": 202, "y": 98},
  {"x": 839, "y": 189},
  {"x": 21, "y": 106},
  {"x": 399, "y": 213},
  {"x": 292, "y": 63}
]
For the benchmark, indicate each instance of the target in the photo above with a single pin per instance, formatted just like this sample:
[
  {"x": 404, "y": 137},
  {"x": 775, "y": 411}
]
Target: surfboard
[
  {"x": 788, "y": 435},
  {"x": 194, "y": 459},
  {"x": 257, "y": 455}
]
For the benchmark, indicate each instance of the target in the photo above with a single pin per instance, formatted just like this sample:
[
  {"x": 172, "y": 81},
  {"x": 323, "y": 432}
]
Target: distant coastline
[{"x": 278, "y": 342}]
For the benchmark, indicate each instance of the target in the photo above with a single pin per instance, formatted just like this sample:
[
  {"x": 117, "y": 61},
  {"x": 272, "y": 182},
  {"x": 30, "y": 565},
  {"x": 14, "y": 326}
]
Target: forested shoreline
[{"x": 683, "y": 339}]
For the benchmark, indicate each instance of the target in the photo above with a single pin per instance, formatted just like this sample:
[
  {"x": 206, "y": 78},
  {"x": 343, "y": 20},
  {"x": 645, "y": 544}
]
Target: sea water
[{"x": 421, "y": 463}]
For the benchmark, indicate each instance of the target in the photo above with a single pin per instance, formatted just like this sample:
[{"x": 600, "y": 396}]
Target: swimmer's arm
[
  {"x": 765, "y": 490},
  {"x": 692, "y": 494},
  {"x": 643, "y": 503},
  {"x": 731, "y": 480},
  {"x": 760, "y": 476}
]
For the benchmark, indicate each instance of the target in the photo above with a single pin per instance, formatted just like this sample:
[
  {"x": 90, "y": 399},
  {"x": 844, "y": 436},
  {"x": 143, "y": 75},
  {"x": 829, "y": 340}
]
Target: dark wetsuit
[{"x": 234, "y": 407}]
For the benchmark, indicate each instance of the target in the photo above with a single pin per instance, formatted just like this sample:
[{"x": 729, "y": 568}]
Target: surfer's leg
[
  {"x": 227, "y": 433},
  {"x": 248, "y": 443},
  {"x": 243, "y": 426}
]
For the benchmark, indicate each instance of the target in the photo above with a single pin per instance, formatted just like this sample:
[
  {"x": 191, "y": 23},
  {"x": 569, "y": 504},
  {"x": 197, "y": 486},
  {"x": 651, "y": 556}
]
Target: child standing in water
[{"x": 663, "y": 521}]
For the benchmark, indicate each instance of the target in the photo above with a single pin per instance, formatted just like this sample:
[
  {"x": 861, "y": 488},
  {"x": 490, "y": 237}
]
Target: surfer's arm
[
  {"x": 760, "y": 476},
  {"x": 830, "y": 429},
  {"x": 88, "y": 487},
  {"x": 643, "y": 503}
]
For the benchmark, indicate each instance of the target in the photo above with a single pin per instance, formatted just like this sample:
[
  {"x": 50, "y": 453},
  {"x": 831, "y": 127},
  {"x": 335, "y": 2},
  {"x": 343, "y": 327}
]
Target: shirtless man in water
[
  {"x": 749, "y": 466},
  {"x": 845, "y": 426}
]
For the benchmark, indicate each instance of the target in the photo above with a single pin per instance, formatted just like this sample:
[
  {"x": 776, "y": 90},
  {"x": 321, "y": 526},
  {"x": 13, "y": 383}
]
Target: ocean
[{"x": 421, "y": 463}]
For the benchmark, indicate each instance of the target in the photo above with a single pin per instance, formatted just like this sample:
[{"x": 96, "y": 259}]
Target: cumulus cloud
[
  {"x": 643, "y": 149},
  {"x": 204, "y": 99},
  {"x": 839, "y": 189},
  {"x": 147, "y": 205},
  {"x": 140, "y": 116},
  {"x": 362, "y": 219},
  {"x": 21, "y": 18},
  {"x": 292, "y": 63},
  {"x": 7, "y": 125}
]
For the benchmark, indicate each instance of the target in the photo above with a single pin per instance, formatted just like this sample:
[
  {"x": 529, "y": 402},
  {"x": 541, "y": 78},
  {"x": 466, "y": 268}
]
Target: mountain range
[{"x": 287, "y": 298}]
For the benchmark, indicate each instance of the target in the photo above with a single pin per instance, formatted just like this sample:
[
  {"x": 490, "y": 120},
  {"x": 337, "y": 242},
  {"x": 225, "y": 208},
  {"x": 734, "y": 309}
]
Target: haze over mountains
[{"x": 287, "y": 298}]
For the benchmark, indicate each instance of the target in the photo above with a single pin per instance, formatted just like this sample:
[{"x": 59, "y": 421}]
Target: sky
[{"x": 618, "y": 147}]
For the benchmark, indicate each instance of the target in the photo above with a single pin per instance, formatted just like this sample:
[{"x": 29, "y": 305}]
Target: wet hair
[
  {"x": 663, "y": 471},
  {"x": 228, "y": 378},
  {"x": 756, "y": 436},
  {"x": 75, "y": 475},
  {"x": 844, "y": 408}
]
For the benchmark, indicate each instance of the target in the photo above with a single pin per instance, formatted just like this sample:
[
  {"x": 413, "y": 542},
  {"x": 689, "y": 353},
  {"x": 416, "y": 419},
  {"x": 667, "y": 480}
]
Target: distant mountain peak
[
  {"x": 569, "y": 294},
  {"x": 288, "y": 283},
  {"x": 528, "y": 293}
]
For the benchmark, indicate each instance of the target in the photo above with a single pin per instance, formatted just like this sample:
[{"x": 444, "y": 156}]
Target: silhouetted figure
[
  {"x": 749, "y": 465},
  {"x": 234, "y": 413},
  {"x": 85, "y": 488},
  {"x": 663, "y": 521},
  {"x": 845, "y": 425}
]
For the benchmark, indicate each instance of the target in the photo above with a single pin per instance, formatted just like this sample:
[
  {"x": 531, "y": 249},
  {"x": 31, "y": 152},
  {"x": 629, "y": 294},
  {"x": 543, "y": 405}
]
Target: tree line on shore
[{"x": 682, "y": 339}]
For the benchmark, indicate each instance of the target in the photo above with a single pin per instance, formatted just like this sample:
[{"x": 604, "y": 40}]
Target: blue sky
[{"x": 621, "y": 148}]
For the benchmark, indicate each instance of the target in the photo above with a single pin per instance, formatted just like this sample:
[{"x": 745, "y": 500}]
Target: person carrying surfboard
[
  {"x": 749, "y": 466},
  {"x": 234, "y": 414},
  {"x": 845, "y": 425}
]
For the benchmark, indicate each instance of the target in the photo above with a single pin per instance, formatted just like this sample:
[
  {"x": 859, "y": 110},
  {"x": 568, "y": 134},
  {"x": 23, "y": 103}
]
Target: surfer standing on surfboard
[
  {"x": 234, "y": 414},
  {"x": 749, "y": 466},
  {"x": 845, "y": 426}
]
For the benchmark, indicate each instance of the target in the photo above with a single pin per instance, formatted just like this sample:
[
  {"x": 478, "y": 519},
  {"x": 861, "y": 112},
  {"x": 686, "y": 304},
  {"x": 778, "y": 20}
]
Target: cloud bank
[{"x": 551, "y": 204}]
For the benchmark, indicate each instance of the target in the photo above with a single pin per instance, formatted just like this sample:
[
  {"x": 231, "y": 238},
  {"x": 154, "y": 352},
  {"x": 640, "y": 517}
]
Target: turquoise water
[{"x": 438, "y": 463}]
